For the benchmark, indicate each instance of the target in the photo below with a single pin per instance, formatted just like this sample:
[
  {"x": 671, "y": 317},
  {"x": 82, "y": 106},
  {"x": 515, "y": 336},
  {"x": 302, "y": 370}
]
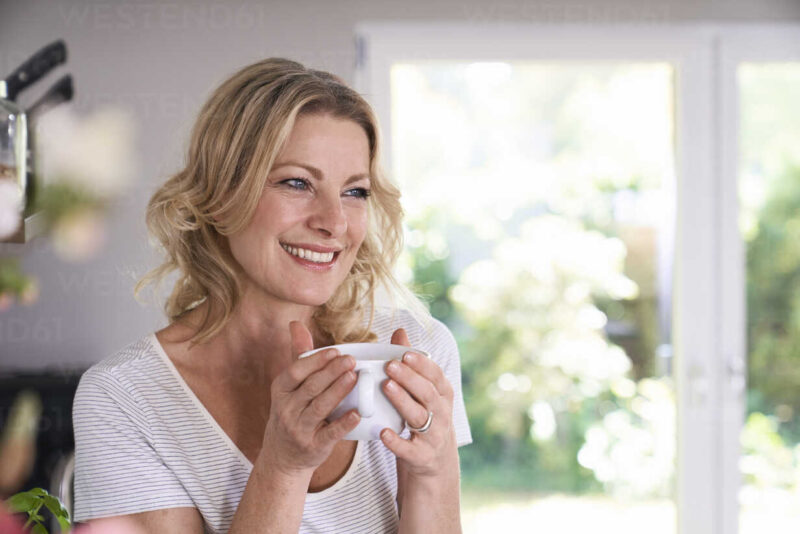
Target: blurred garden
[
  {"x": 543, "y": 258},
  {"x": 770, "y": 226},
  {"x": 540, "y": 204}
]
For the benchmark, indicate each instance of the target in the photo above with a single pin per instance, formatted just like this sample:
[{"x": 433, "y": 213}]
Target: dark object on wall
[
  {"x": 18, "y": 442},
  {"x": 55, "y": 440},
  {"x": 61, "y": 91},
  {"x": 34, "y": 68}
]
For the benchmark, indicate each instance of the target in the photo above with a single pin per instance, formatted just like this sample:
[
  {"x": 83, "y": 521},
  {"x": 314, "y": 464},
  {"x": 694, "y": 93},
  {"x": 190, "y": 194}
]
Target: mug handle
[{"x": 366, "y": 393}]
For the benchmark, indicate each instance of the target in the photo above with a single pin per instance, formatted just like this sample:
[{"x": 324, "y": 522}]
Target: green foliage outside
[
  {"x": 773, "y": 300},
  {"x": 557, "y": 319},
  {"x": 770, "y": 222},
  {"x": 505, "y": 319},
  {"x": 553, "y": 302},
  {"x": 771, "y": 439},
  {"x": 538, "y": 370}
]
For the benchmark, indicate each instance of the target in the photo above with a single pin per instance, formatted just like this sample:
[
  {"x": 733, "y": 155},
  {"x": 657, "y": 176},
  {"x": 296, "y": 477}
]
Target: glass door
[
  {"x": 539, "y": 200},
  {"x": 562, "y": 192},
  {"x": 769, "y": 194},
  {"x": 760, "y": 163}
]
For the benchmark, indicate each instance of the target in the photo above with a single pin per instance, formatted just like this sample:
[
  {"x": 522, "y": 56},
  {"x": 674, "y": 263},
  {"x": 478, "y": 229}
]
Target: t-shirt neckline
[{"x": 156, "y": 344}]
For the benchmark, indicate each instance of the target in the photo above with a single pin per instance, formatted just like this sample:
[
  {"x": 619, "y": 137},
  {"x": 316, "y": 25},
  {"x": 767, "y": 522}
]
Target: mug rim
[{"x": 383, "y": 345}]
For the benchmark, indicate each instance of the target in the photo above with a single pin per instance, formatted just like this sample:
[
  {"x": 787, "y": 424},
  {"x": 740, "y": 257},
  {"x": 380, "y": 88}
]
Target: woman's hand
[
  {"x": 297, "y": 438},
  {"x": 415, "y": 387}
]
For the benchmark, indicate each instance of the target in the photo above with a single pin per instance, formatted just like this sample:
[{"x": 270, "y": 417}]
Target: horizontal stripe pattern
[{"x": 144, "y": 442}]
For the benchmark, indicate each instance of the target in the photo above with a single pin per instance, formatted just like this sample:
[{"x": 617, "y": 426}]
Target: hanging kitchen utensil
[
  {"x": 13, "y": 120},
  {"x": 60, "y": 92}
]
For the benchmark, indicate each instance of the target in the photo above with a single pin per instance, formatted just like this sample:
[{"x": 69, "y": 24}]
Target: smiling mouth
[{"x": 321, "y": 258}]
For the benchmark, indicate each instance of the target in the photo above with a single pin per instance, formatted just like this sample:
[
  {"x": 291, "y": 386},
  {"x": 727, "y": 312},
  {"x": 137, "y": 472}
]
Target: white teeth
[{"x": 316, "y": 257}]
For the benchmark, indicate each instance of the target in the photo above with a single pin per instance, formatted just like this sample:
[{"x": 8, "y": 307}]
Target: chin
[{"x": 314, "y": 299}]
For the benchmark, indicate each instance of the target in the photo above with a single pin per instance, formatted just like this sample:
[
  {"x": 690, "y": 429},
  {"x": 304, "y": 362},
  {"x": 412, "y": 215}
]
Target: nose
[{"x": 328, "y": 216}]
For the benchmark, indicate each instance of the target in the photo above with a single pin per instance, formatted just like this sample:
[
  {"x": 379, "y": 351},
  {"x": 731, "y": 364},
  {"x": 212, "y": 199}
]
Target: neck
[{"x": 257, "y": 334}]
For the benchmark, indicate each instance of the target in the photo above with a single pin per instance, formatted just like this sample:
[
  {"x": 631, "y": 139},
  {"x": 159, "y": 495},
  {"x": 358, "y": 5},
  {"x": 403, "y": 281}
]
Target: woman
[{"x": 281, "y": 227}]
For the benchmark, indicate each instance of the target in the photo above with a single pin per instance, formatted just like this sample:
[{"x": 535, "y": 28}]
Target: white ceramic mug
[{"x": 367, "y": 396}]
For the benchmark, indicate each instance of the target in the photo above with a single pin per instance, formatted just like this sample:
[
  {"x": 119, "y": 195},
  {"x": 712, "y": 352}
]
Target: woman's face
[{"x": 312, "y": 215}]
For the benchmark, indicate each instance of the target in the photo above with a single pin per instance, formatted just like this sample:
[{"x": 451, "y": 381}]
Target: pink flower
[
  {"x": 9, "y": 524},
  {"x": 78, "y": 235},
  {"x": 6, "y": 300}
]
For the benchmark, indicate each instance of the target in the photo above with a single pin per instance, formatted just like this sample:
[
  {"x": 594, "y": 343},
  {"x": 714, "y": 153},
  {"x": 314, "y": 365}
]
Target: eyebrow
[{"x": 316, "y": 172}]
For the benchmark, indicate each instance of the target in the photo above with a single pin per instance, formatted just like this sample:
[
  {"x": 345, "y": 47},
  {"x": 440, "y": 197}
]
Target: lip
[
  {"x": 313, "y": 248},
  {"x": 312, "y": 265}
]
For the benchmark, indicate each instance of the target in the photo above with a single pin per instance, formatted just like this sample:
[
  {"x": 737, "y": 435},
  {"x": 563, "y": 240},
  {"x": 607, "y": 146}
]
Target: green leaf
[
  {"x": 54, "y": 505},
  {"x": 39, "y": 492},
  {"x": 22, "y": 502},
  {"x": 38, "y": 517},
  {"x": 39, "y": 529},
  {"x": 66, "y": 526}
]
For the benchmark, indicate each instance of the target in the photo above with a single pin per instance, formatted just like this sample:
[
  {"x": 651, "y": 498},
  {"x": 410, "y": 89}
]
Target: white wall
[{"x": 160, "y": 60}]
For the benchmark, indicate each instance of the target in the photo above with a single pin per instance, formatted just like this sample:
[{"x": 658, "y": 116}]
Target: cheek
[
  {"x": 358, "y": 226},
  {"x": 273, "y": 217}
]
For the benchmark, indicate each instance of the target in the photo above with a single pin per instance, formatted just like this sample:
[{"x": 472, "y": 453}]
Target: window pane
[
  {"x": 540, "y": 205},
  {"x": 769, "y": 192}
]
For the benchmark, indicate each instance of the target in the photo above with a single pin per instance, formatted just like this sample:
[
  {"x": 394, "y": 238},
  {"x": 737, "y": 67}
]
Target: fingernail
[
  {"x": 386, "y": 435},
  {"x": 409, "y": 357},
  {"x": 331, "y": 354}
]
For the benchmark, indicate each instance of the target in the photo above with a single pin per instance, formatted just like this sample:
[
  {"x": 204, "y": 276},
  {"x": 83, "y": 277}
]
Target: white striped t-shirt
[{"x": 144, "y": 441}]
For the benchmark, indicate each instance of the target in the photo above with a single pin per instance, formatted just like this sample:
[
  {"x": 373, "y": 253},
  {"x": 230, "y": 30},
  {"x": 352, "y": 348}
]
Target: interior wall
[{"x": 160, "y": 60}]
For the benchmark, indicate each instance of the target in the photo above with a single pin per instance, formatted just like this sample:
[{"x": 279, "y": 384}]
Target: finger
[
  {"x": 420, "y": 387},
  {"x": 301, "y": 339},
  {"x": 429, "y": 369},
  {"x": 319, "y": 381},
  {"x": 338, "y": 429},
  {"x": 320, "y": 406},
  {"x": 402, "y": 448},
  {"x": 409, "y": 409},
  {"x": 294, "y": 376},
  {"x": 399, "y": 337}
]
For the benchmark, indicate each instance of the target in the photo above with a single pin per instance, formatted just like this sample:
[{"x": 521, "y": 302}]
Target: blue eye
[
  {"x": 296, "y": 183},
  {"x": 359, "y": 192}
]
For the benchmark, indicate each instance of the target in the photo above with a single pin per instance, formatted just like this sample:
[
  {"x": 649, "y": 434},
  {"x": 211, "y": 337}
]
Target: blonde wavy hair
[{"x": 238, "y": 134}]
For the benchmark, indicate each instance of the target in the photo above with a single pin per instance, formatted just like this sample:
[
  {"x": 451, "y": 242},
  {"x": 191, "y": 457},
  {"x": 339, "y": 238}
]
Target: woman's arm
[
  {"x": 430, "y": 504},
  {"x": 272, "y": 501},
  {"x": 183, "y": 519},
  {"x": 427, "y": 463},
  {"x": 296, "y": 439}
]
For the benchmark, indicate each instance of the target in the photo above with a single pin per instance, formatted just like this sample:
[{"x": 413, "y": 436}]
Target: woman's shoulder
[
  {"x": 127, "y": 365},
  {"x": 424, "y": 331}
]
